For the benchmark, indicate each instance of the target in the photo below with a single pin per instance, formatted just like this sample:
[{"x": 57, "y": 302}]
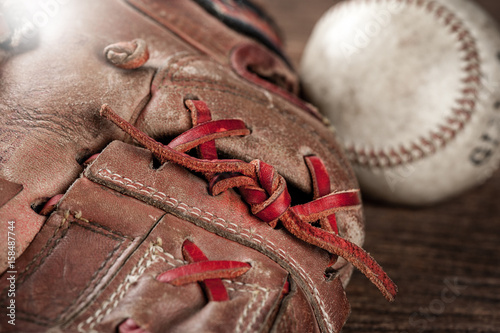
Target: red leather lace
[
  {"x": 50, "y": 205},
  {"x": 208, "y": 273},
  {"x": 263, "y": 188}
]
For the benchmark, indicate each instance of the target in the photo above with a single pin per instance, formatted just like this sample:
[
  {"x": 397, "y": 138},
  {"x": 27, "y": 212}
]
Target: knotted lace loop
[{"x": 265, "y": 190}]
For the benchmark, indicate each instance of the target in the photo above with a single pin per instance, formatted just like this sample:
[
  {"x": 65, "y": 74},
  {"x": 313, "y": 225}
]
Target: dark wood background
[{"x": 445, "y": 259}]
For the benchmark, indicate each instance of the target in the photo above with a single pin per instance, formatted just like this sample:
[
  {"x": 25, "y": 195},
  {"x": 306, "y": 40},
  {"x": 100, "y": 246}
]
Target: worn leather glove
[{"x": 158, "y": 173}]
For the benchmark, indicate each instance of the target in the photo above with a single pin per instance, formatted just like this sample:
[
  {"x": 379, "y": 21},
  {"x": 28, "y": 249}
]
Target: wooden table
[{"x": 445, "y": 259}]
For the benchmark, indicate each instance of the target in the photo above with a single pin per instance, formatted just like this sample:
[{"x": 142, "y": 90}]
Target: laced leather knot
[
  {"x": 263, "y": 188},
  {"x": 267, "y": 194}
]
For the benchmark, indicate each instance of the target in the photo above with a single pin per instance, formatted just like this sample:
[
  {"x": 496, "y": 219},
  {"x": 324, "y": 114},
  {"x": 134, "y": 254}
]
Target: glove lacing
[{"x": 263, "y": 188}]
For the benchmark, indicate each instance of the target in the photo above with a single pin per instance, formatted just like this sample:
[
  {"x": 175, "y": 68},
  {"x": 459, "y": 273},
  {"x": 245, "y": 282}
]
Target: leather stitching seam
[
  {"x": 92, "y": 283},
  {"x": 29, "y": 270},
  {"x": 46, "y": 321},
  {"x": 256, "y": 291},
  {"x": 149, "y": 258},
  {"x": 25, "y": 271},
  {"x": 117, "y": 235},
  {"x": 235, "y": 230}
]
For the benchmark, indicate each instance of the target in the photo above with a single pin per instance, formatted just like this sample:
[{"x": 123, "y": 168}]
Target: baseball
[{"x": 413, "y": 91}]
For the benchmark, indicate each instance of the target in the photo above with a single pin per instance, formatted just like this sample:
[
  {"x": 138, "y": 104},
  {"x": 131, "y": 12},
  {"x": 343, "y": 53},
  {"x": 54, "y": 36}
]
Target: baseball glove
[{"x": 159, "y": 173}]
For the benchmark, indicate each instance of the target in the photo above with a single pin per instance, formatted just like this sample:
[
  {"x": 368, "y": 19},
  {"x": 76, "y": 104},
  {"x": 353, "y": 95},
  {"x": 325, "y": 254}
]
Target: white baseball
[{"x": 412, "y": 88}]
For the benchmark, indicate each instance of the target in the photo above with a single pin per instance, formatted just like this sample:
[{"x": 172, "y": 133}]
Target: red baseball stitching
[{"x": 446, "y": 131}]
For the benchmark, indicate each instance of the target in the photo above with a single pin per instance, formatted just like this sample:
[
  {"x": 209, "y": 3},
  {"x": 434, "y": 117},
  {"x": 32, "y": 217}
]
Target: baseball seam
[
  {"x": 446, "y": 131},
  {"x": 228, "y": 226}
]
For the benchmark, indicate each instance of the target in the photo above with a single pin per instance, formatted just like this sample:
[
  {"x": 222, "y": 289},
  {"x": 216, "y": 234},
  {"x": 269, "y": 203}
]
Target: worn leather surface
[
  {"x": 8, "y": 190},
  {"x": 91, "y": 264},
  {"x": 110, "y": 275}
]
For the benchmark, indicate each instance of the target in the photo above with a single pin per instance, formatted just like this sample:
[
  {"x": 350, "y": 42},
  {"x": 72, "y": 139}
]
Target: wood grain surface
[{"x": 445, "y": 259}]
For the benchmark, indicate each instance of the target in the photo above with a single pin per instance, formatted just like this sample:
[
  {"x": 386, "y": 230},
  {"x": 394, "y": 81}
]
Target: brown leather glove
[{"x": 232, "y": 209}]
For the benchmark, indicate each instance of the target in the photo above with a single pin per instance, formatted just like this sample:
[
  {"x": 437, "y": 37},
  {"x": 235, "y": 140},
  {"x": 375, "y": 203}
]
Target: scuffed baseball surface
[{"x": 412, "y": 89}]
